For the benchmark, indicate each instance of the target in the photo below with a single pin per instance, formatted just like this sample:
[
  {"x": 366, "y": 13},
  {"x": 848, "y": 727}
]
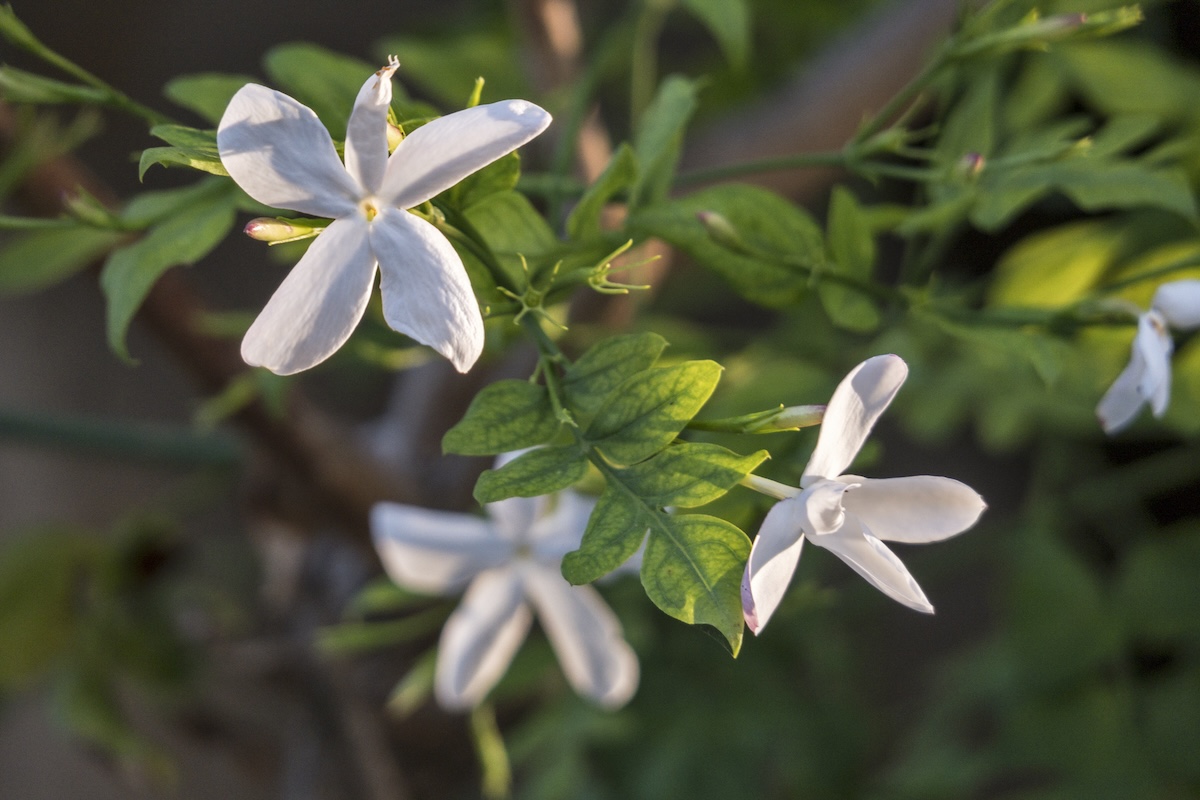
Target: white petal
[
  {"x": 426, "y": 292},
  {"x": 1120, "y": 404},
  {"x": 441, "y": 153},
  {"x": 1154, "y": 342},
  {"x": 923, "y": 508},
  {"x": 1179, "y": 303},
  {"x": 560, "y": 529},
  {"x": 773, "y": 560},
  {"x": 280, "y": 154},
  {"x": 315, "y": 309},
  {"x": 515, "y": 516},
  {"x": 821, "y": 507},
  {"x": 480, "y": 639},
  {"x": 366, "y": 133},
  {"x": 586, "y": 636},
  {"x": 856, "y": 403},
  {"x": 871, "y": 559},
  {"x": 434, "y": 551}
]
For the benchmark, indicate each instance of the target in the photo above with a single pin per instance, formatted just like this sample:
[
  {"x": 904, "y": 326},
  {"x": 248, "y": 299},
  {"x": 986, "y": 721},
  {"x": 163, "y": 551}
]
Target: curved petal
[
  {"x": 821, "y": 507},
  {"x": 434, "y": 551},
  {"x": 426, "y": 292},
  {"x": 480, "y": 639},
  {"x": 852, "y": 411},
  {"x": 871, "y": 559},
  {"x": 366, "y": 133},
  {"x": 773, "y": 560},
  {"x": 441, "y": 153},
  {"x": 277, "y": 150},
  {"x": 1121, "y": 403},
  {"x": 319, "y": 303},
  {"x": 1153, "y": 341},
  {"x": 1179, "y": 303},
  {"x": 586, "y": 636},
  {"x": 923, "y": 508}
]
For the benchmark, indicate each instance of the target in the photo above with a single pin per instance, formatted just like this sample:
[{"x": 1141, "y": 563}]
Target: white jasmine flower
[
  {"x": 850, "y": 515},
  {"x": 277, "y": 150},
  {"x": 1147, "y": 378},
  {"x": 510, "y": 566}
]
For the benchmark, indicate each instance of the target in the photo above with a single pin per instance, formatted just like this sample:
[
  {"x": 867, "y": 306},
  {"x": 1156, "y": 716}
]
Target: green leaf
[
  {"x": 729, "y": 23},
  {"x": 852, "y": 248},
  {"x": 19, "y": 86},
  {"x": 646, "y": 412},
  {"x": 150, "y": 208},
  {"x": 38, "y": 581},
  {"x": 614, "y": 532},
  {"x": 207, "y": 94},
  {"x": 183, "y": 238},
  {"x": 499, "y": 176},
  {"x": 183, "y": 136},
  {"x": 36, "y": 260},
  {"x": 1055, "y": 267},
  {"x": 543, "y": 470},
  {"x": 590, "y": 380},
  {"x": 1132, "y": 77},
  {"x": 507, "y": 415},
  {"x": 689, "y": 475},
  {"x": 325, "y": 81},
  {"x": 659, "y": 137},
  {"x": 692, "y": 570},
  {"x": 764, "y": 220},
  {"x": 201, "y": 160},
  {"x": 619, "y": 175}
]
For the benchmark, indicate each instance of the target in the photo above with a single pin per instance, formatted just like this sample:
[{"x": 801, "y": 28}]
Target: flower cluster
[
  {"x": 280, "y": 154},
  {"x": 510, "y": 565},
  {"x": 1147, "y": 378}
]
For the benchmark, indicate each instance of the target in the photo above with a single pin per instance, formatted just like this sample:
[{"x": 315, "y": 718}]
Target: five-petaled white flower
[
  {"x": 508, "y": 564},
  {"x": 849, "y": 515},
  {"x": 1147, "y": 377},
  {"x": 277, "y": 150}
]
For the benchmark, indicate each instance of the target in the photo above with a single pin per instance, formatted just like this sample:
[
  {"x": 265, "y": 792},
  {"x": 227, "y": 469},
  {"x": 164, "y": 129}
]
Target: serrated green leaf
[
  {"x": 543, "y": 470},
  {"x": 39, "y": 259},
  {"x": 689, "y": 474},
  {"x": 181, "y": 239},
  {"x": 201, "y": 160},
  {"x": 762, "y": 218},
  {"x": 659, "y": 138},
  {"x": 605, "y": 365},
  {"x": 646, "y": 412},
  {"x": 692, "y": 570},
  {"x": 620, "y": 174},
  {"x": 614, "y": 532},
  {"x": 325, "y": 81},
  {"x": 852, "y": 248},
  {"x": 19, "y": 86},
  {"x": 208, "y": 94},
  {"x": 507, "y": 415},
  {"x": 729, "y": 23}
]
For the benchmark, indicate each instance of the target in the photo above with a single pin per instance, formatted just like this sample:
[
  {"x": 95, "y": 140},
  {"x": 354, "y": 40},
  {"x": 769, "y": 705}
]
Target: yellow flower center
[{"x": 370, "y": 208}]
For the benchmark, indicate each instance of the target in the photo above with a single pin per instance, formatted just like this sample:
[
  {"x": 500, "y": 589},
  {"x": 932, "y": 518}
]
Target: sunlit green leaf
[
  {"x": 507, "y": 415},
  {"x": 689, "y": 474},
  {"x": 659, "y": 137},
  {"x": 590, "y": 380},
  {"x": 543, "y": 470}
]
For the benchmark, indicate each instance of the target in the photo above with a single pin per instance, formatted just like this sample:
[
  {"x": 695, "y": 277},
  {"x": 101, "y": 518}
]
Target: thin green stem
[{"x": 903, "y": 98}]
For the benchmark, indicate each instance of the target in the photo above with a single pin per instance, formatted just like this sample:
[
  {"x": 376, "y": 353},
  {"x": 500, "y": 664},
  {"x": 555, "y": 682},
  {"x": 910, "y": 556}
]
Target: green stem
[{"x": 902, "y": 98}]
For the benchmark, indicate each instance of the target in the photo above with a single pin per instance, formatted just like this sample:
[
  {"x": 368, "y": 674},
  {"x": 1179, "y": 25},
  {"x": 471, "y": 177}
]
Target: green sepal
[
  {"x": 508, "y": 415},
  {"x": 543, "y": 470}
]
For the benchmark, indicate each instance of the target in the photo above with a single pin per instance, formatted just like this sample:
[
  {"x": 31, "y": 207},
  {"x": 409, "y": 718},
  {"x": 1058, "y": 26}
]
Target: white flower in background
[
  {"x": 850, "y": 515},
  {"x": 279, "y": 152},
  {"x": 1147, "y": 378},
  {"x": 510, "y": 566}
]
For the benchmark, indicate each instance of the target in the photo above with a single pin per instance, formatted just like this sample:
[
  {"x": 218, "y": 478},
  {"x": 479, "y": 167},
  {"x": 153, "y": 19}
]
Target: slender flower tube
[
  {"x": 852, "y": 516},
  {"x": 510, "y": 566},
  {"x": 1146, "y": 380},
  {"x": 277, "y": 150}
]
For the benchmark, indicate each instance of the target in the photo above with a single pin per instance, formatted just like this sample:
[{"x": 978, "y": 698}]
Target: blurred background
[{"x": 165, "y": 583}]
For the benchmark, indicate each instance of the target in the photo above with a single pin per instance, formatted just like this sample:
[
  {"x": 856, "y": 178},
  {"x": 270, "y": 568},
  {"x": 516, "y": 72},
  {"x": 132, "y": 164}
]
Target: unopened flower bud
[
  {"x": 795, "y": 417},
  {"x": 721, "y": 230},
  {"x": 395, "y": 135},
  {"x": 277, "y": 230},
  {"x": 970, "y": 165}
]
